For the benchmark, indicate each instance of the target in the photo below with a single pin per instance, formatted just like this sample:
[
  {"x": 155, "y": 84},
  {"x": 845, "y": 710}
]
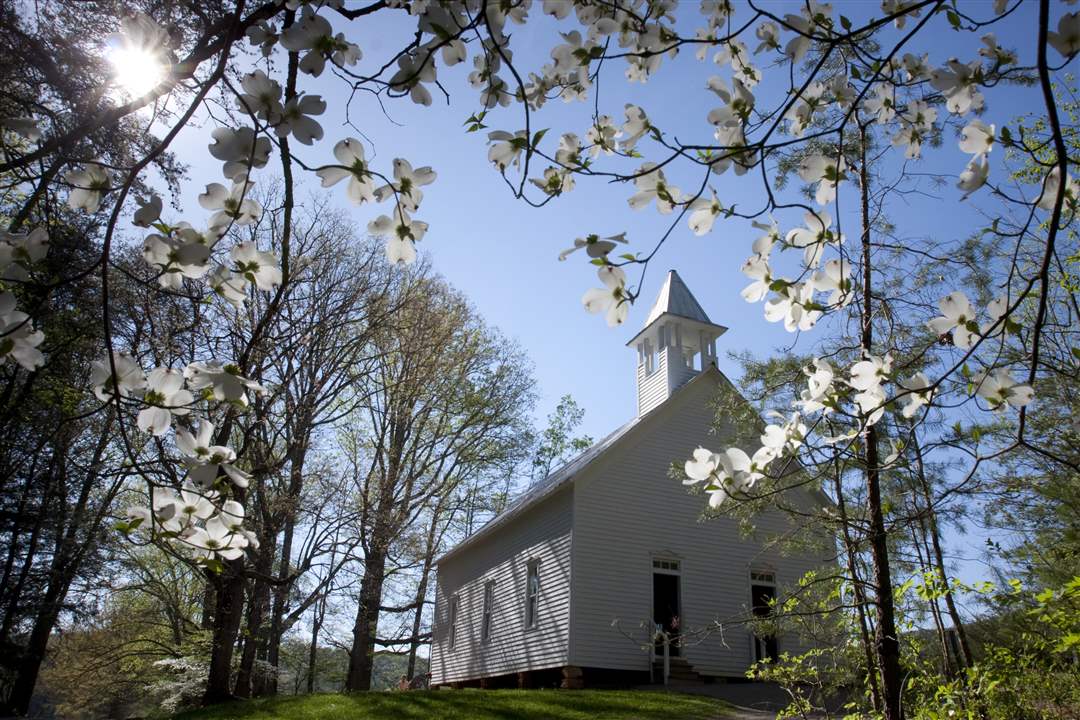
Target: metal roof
[{"x": 676, "y": 299}]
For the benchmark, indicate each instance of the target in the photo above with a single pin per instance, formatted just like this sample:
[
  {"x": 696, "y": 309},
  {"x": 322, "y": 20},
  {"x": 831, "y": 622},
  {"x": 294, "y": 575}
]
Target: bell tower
[{"x": 677, "y": 343}]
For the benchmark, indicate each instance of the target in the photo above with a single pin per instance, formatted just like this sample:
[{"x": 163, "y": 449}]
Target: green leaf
[
  {"x": 954, "y": 19},
  {"x": 845, "y": 22},
  {"x": 538, "y": 136}
]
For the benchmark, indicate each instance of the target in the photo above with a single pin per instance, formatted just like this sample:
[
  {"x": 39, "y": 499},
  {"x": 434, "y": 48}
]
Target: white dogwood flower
[
  {"x": 350, "y": 153},
  {"x": 506, "y": 148},
  {"x": 959, "y": 84},
  {"x": 612, "y": 299},
  {"x": 220, "y": 381},
  {"x": 256, "y": 266},
  {"x": 919, "y": 394},
  {"x": 261, "y": 97},
  {"x": 296, "y": 119},
  {"x": 977, "y": 138},
  {"x": 401, "y": 233},
  {"x": 827, "y": 172},
  {"x": 130, "y": 379},
  {"x": 18, "y": 339},
  {"x": 1001, "y": 390},
  {"x": 794, "y": 306},
  {"x": 757, "y": 269},
  {"x": 635, "y": 127},
  {"x": 958, "y": 317},
  {"x": 595, "y": 246},
  {"x": 1066, "y": 40},
  {"x": 232, "y": 206},
  {"x": 89, "y": 185},
  {"x": 814, "y": 238},
  {"x": 974, "y": 176},
  {"x": 217, "y": 539},
  {"x": 165, "y": 395},
  {"x": 149, "y": 212},
  {"x": 240, "y": 149},
  {"x": 704, "y": 212},
  {"x": 406, "y": 185},
  {"x": 19, "y": 252},
  {"x": 652, "y": 185}
]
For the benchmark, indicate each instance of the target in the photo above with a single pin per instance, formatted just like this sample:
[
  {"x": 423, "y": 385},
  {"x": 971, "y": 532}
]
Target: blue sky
[{"x": 503, "y": 254}]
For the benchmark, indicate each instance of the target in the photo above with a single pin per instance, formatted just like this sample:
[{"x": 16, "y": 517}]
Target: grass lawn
[{"x": 473, "y": 705}]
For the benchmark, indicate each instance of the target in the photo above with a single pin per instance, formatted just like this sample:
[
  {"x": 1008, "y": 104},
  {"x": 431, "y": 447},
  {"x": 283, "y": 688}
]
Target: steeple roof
[{"x": 676, "y": 299}]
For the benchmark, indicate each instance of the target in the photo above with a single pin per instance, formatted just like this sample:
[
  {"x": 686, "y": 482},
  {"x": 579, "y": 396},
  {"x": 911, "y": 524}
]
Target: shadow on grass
[{"x": 472, "y": 705}]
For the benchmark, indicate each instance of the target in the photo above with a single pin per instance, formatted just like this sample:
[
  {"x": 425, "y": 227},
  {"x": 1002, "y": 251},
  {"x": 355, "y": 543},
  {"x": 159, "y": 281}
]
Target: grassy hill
[{"x": 473, "y": 705}]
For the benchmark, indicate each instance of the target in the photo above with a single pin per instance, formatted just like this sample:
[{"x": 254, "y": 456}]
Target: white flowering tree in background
[{"x": 851, "y": 100}]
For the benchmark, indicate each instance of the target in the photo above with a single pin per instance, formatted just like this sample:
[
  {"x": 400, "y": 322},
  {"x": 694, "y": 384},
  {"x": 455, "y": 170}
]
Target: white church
[{"x": 564, "y": 586}]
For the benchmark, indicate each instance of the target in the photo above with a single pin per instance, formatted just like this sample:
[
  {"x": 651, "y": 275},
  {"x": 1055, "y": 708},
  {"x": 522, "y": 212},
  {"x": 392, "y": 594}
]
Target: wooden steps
[{"x": 680, "y": 672}]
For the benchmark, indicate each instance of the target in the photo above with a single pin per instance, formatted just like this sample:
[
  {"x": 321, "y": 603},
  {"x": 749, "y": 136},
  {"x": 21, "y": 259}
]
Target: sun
[{"x": 136, "y": 71}]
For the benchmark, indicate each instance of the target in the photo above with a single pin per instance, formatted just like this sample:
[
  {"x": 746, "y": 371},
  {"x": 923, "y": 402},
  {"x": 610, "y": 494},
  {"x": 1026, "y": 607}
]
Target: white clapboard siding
[
  {"x": 653, "y": 387},
  {"x": 543, "y": 533},
  {"x": 628, "y": 511}
]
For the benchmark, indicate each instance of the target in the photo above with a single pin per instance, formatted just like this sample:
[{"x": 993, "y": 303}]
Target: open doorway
[
  {"x": 765, "y": 647},
  {"x": 666, "y": 608}
]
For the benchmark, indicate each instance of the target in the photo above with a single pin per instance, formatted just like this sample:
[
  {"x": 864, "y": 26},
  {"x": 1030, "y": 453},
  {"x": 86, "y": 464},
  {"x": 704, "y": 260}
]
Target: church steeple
[{"x": 677, "y": 342}]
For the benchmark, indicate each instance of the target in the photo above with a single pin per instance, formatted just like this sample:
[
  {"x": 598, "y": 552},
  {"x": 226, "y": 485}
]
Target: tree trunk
[
  {"x": 939, "y": 560},
  {"x": 886, "y": 642},
  {"x": 255, "y": 633},
  {"x": 422, "y": 587},
  {"x": 362, "y": 655},
  {"x": 851, "y": 552},
  {"x": 228, "y": 612},
  {"x": 313, "y": 652},
  {"x": 22, "y": 688}
]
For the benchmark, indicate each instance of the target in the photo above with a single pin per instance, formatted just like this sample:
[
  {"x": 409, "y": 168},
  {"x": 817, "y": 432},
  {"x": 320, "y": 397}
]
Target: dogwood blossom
[
  {"x": 704, "y": 212},
  {"x": 296, "y": 119},
  {"x": 958, "y": 317},
  {"x": 757, "y": 269},
  {"x": 261, "y": 97},
  {"x": 401, "y": 233},
  {"x": 652, "y": 185},
  {"x": 233, "y": 206},
  {"x": 259, "y": 267},
  {"x": 814, "y": 238},
  {"x": 18, "y": 339},
  {"x": 217, "y": 539},
  {"x": 635, "y": 127},
  {"x": 165, "y": 396},
  {"x": 149, "y": 212},
  {"x": 350, "y": 153},
  {"x": 974, "y": 175},
  {"x": 240, "y": 150},
  {"x": 595, "y": 246},
  {"x": 130, "y": 379},
  {"x": 506, "y": 148},
  {"x": 220, "y": 381},
  {"x": 827, "y": 172},
  {"x": 19, "y": 252},
  {"x": 793, "y": 305},
  {"x": 959, "y": 84},
  {"x": 1066, "y": 40},
  {"x": 612, "y": 299},
  {"x": 977, "y": 138},
  {"x": 1000, "y": 389},
  {"x": 919, "y": 394},
  {"x": 407, "y": 184},
  {"x": 89, "y": 185}
]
